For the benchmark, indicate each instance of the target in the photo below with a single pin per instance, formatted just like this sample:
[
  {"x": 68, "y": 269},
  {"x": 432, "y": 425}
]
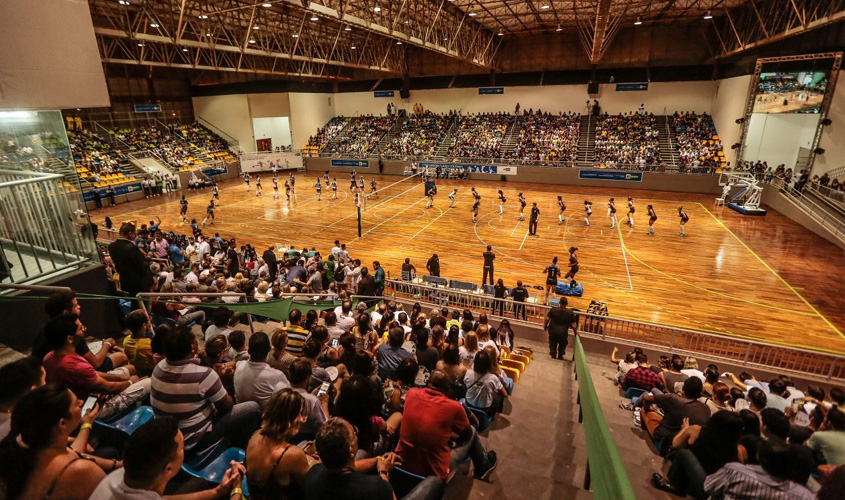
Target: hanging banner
[
  {"x": 118, "y": 191},
  {"x": 265, "y": 161},
  {"x": 473, "y": 168},
  {"x": 625, "y": 87},
  {"x": 609, "y": 175},
  {"x": 491, "y": 90},
  {"x": 383, "y": 93}
]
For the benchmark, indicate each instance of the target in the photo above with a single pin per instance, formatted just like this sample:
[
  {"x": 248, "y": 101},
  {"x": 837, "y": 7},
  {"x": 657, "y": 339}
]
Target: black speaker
[
  {"x": 404, "y": 93},
  {"x": 818, "y": 151},
  {"x": 593, "y": 88}
]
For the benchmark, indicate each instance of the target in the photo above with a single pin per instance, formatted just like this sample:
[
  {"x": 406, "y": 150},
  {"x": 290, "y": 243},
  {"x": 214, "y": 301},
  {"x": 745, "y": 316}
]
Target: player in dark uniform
[
  {"x": 374, "y": 187},
  {"x": 319, "y": 187},
  {"x": 334, "y": 189},
  {"x": 258, "y": 185},
  {"x": 183, "y": 210},
  {"x": 475, "y": 210},
  {"x": 588, "y": 211},
  {"x": 430, "y": 195},
  {"x": 552, "y": 274},
  {"x": 611, "y": 211},
  {"x": 562, "y": 206},
  {"x": 533, "y": 219},
  {"x": 684, "y": 219},
  {"x": 292, "y": 184},
  {"x": 246, "y": 180},
  {"x": 475, "y": 195},
  {"x": 573, "y": 267},
  {"x": 652, "y": 217},
  {"x": 195, "y": 227},
  {"x": 502, "y": 201},
  {"x": 352, "y": 186},
  {"x": 452, "y": 197},
  {"x": 209, "y": 212},
  {"x": 522, "y": 204},
  {"x": 631, "y": 211},
  {"x": 287, "y": 190},
  {"x": 326, "y": 177}
]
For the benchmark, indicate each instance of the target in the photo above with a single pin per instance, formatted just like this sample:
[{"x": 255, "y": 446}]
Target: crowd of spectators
[
  {"x": 480, "y": 135},
  {"x": 359, "y": 387},
  {"x": 698, "y": 144},
  {"x": 324, "y": 135},
  {"x": 362, "y": 135},
  {"x": 419, "y": 135},
  {"x": 733, "y": 436},
  {"x": 547, "y": 138},
  {"x": 627, "y": 139},
  {"x": 94, "y": 154}
]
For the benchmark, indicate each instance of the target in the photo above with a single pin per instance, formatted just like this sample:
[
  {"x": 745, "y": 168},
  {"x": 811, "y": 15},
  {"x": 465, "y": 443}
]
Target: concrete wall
[
  {"x": 229, "y": 113},
  {"x": 728, "y": 105},
  {"x": 776, "y": 137},
  {"x": 308, "y": 112},
  {"x": 833, "y": 136},
  {"x": 276, "y": 128},
  {"x": 569, "y": 176},
  {"x": 773, "y": 199}
]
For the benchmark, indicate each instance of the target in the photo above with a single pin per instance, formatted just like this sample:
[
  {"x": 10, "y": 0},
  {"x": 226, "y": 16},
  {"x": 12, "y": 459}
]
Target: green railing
[{"x": 603, "y": 460}]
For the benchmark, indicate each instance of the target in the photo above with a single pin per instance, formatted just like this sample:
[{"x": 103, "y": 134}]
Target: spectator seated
[
  {"x": 698, "y": 144},
  {"x": 324, "y": 135},
  {"x": 627, "y": 139},
  {"x": 480, "y": 135},
  {"x": 419, "y": 135},
  {"x": 548, "y": 138},
  {"x": 362, "y": 136}
]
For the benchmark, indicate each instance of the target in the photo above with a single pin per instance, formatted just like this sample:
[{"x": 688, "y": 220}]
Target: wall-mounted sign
[
  {"x": 491, "y": 90},
  {"x": 351, "y": 163},
  {"x": 610, "y": 175},
  {"x": 148, "y": 108},
  {"x": 383, "y": 93},
  {"x": 118, "y": 191},
  {"x": 473, "y": 168},
  {"x": 623, "y": 87}
]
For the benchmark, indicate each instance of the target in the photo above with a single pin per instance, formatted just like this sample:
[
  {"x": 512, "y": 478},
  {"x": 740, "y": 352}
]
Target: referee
[
  {"x": 489, "y": 257},
  {"x": 532, "y": 220},
  {"x": 558, "y": 322}
]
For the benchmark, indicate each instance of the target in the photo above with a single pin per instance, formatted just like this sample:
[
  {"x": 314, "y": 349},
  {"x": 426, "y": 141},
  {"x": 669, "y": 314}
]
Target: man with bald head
[{"x": 430, "y": 419}]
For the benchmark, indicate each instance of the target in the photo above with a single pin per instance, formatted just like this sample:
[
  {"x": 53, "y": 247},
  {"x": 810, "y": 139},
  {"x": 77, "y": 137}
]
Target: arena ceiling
[{"x": 338, "y": 39}]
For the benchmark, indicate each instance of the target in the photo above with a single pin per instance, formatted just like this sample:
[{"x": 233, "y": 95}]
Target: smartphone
[
  {"x": 89, "y": 403},
  {"x": 334, "y": 343},
  {"x": 323, "y": 389}
]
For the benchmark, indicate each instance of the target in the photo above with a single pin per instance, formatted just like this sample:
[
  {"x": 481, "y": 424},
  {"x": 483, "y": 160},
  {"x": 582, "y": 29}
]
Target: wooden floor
[{"x": 764, "y": 278}]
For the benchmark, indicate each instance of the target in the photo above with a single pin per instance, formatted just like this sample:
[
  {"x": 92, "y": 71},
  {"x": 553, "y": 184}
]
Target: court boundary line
[
  {"x": 442, "y": 213},
  {"x": 624, "y": 256},
  {"x": 380, "y": 203},
  {"x": 775, "y": 273}
]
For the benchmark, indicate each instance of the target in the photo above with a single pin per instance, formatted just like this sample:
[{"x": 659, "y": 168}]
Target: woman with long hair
[
  {"x": 469, "y": 349},
  {"x": 360, "y": 405},
  {"x": 684, "y": 219},
  {"x": 454, "y": 336},
  {"x": 484, "y": 389},
  {"x": 552, "y": 274},
  {"x": 500, "y": 291},
  {"x": 611, "y": 212},
  {"x": 631, "y": 210},
  {"x": 277, "y": 468},
  {"x": 504, "y": 334},
  {"x": 365, "y": 336},
  {"x": 35, "y": 461},
  {"x": 588, "y": 211},
  {"x": 573, "y": 267},
  {"x": 495, "y": 369},
  {"x": 652, "y": 218},
  {"x": 278, "y": 357},
  {"x": 425, "y": 354}
]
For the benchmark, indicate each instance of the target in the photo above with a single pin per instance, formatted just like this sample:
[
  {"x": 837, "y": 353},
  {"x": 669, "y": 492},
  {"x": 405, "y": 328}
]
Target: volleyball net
[{"x": 391, "y": 191}]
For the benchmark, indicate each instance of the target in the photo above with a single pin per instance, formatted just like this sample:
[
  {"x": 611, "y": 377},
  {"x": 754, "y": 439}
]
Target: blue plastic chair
[
  {"x": 403, "y": 481},
  {"x": 129, "y": 423},
  {"x": 216, "y": 469},
  {"x": 510, "y": 386},
  {"x": 484, "y": 419}
]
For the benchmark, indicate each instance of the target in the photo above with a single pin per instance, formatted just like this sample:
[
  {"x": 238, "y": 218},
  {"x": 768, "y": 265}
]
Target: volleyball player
[
  {"x": 195, "y": 227},
  {"x": 357, "y": 200},
  {"x": 275, "y": 188},
  {"x": 319, "y": 187},
  {"x": 374, "y": 187},
  {"x": 361, "y": 184},
  {"x": 502, "y": 201},
  {"x": 274, "y": 168},
  {"x": 287, "y": 190},
  {"x": 552, "y": 273},
  {"x": 430, "y": 195},
  {"x": 475, "y": 210},
  {"x": 573, "y": 267},
  {"x": 631, "y": 211},
  {"x": 292, "y": 184},
  {"x": 533, "y": 219},
  {"x": 215, "y": 193},
  {"x": 475, "y": 195},
  {"x": 258, "y": 185},
  {"x": 652, "y": 217},
  {"x": 611, "y": 211},
  {"x": 209, "y": 212},
  {"x": 684, "y": 219},
  {"x": 246, "y": 180},
  {"x": 522, "y": 204},
  {"x": 452, "y": 197},
  {"x": 183, "y": 211},
  {"x": 326, "y": 177},
  {"x": 352, "y": 186},
  {"x": 334, "y": 188},
  {"x": 588, "y": 210},
  {"x": 562, "y": 206}
]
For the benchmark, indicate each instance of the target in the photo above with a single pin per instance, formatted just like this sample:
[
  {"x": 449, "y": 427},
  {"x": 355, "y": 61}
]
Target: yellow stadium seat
[
  {"x": 512, "y": 373},
  {"x": 505, "y": 351},
  {"x": 512, "y": 363},
  {"x": 519, "y": 357}
]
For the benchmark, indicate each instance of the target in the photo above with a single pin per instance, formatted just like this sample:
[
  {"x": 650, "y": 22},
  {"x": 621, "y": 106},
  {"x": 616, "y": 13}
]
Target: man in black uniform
[
  {"x": 272, "y": 262},
  {"x": 519, "y": 294},
  {"x": 433, "y": 265},
  {"x": 489, "y": 256},
  {"x": 558, "y": 321},
  {"x": 532, "y": 221}
]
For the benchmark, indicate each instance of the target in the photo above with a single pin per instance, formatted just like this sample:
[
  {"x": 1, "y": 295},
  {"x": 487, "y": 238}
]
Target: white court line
[
  {"x": 516, "y": 226},
  {"x": 389, "y": 219},
  {"x": 523, "y": 240},
  {"x": 442, "y": 213},
  {"x": 379, "y": 204},
  {"x": 624, "y": 256}
]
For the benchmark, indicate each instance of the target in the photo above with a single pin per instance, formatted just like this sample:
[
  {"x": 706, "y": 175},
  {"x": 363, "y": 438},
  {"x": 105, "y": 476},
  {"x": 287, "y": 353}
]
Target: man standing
[
  {"x": 433, "y": 265},
  {"x": 532, "y": 221},
  {"x": 367, "y": 285},
  {"x": 558, "y": 322},
  {"x": 269, "y": 257},
  {"x": 378, "y": 277},
  {"x": 408, "y": 270},
  {"x": 489, "y": 256},
  {"x": 130, "y": 263},
  {"x": 520, "y": 295}
]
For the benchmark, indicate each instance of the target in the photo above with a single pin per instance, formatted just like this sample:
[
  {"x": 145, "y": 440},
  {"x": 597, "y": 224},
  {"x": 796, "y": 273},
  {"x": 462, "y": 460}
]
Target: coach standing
[
  {"x": 558, "y": 322},
  {"x": 532, "y": 221},
  {"x": 489, "y": 257}
]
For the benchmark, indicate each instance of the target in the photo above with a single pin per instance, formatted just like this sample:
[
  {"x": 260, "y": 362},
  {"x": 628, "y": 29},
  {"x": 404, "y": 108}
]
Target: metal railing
[
  {"x": 834, "y": 194},
  {"x": 821, "y": 214},
  {"x": 228, "y": 138},
  {"x": 751, "y": 353},
  {"x": 42, "y": 229}
]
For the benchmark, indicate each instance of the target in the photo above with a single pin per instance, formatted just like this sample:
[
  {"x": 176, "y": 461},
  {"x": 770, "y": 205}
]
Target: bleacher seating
[
  {"x": 698, "y": 143},
  {"x": 324, "y": 135},
  {"x": 480, "y": 135},
  {"x": 361, "y": 137},
  {"x": 627, "y": 139},
  {"x": 419, "y": 135},
  {"x": 547, "y": 137}
]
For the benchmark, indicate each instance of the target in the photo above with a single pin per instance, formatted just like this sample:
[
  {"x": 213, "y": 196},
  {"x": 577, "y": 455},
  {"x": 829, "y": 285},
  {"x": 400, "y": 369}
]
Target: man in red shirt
[
  {"x": 430, "y": 419},
  {"x": 641, "y": 377}
]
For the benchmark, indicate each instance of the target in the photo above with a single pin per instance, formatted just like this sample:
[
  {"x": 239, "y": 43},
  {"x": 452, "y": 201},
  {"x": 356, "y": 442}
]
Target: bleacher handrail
[
  {"x": 603, "y": 459},
  {"x": 231, "y": 140},
  {"x": 835, "y": 195},
  {"x": 753, "y": 353},
  {"x": 819, "y": 213}
]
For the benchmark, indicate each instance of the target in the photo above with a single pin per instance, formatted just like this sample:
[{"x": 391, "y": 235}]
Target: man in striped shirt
[
  {"x": 296, "y": 334},
  {"x": 196, "y": 398}
]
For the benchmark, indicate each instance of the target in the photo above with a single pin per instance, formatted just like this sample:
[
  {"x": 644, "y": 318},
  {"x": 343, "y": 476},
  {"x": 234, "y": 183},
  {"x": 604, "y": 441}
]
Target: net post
[{"x": 359, "y": 221}]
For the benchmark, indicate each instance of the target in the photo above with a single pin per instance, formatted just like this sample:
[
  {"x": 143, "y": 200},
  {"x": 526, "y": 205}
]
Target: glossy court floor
[{"x": 764, "y": 278}]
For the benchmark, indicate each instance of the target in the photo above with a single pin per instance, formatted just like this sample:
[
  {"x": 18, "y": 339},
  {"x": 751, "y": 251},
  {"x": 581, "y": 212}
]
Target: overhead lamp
[
  {"x": 472, "y": 14},
  {"x": 708, "y": 15},
  {"x": 399, "y": 42},
  {"x": 353, "y": 47},
  {"x": 255, "y": 27},
  {"x": 376, "y": 9},
  {"x": 208, "y": 34},
  {"x": 140, "y": 44},
  {"x": 295, "y": 35},
  {"x": 638, "y": 22},
  {"x": 558, "y": 28},
  {"x": 348, "y": 28},
  {"x": 203, "y": 16},
  {"x": 500, "y": 34},
  {"x": 545, "y": 6},
  {"x": 251, "y": 40},
  {"x": 184, "y": 50},
  {"x": 123, "y": 2},
  {"x": 266, "y": 5},
  {"x": 406, "y": 21},
  {"x": 315, "y": 18},
  {"x": 153, "y": 25}
]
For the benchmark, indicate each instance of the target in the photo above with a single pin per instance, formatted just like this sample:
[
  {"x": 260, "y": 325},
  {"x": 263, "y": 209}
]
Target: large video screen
[{"x": 790, "y": 92}]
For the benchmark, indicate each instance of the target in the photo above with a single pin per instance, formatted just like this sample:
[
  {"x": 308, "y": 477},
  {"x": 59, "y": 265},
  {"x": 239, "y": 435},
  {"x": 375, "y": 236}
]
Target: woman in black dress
[
  {"x": 573, "y": 267},
  {"x": 631, "y": 211},
  {"x": 611, "y": 211},
  {"x": 522, "y": 204},
  {"x": 502, "y": 201},
  {"x": 684, "y": 219},
  {"x": 562, "y": 206}
]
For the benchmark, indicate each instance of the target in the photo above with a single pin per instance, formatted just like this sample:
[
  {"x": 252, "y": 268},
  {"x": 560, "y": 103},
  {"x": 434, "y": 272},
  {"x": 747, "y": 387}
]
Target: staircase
[
  {"x": 511, "y": 136},
  {"x": 586, "y": 142},
  {"x": 446, "y": 138},
  {"x": 668, "y": 149},
  {"x": 391, "y": 134}
]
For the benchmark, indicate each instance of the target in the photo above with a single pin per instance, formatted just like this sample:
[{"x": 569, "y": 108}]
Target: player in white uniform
[
  {"x": 562, "y": 206},
  {"x": 275, "y": 188},
  {"x": 334, "y": 189},
  {"x": 246, "y": 180},
  {"x": 588, "y": 209},
  {"x": 258, "y": 185},
  {"x": 319, "y": 187},
  {"x": 452, "y": 197},
  {"x": 502, "y": 201}
]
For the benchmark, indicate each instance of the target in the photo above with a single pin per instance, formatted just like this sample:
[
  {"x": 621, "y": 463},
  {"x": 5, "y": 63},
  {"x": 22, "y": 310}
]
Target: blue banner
[
  {"x": 610, "y": 175},
  {"x": 622, "y": 87},
  {"x": 473, "y": 168},
  {"x": 383, "y": 93},
  {"x": 351, "y": 163},
  {"x": 491, "y": 90},
  {"x": 148, "y": 108},
  {"x": 118, "y": 191},
  {"x": 214, "y": 171}
]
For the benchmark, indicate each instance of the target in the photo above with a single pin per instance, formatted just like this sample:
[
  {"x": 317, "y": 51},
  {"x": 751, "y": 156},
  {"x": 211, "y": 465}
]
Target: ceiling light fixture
[
  {"x": 266, "y": 5},
  {"x": 255, "y": 27},
  {"x": 376, "y": 9},
  {"x": 399, "y": 43},
  {"x": 558, "y": 28},
  {"x": 545, "y": 6},
  {"x": 348, "y": 28},
  {"x": 315, "y": 18},
  {"x": 500, "y": 34},
  {"x": 184, "y": 50},
  {"x": 708, "y": 15},
  {"x": 353, "y": 47},
  {"x": 638, "y": 22},
  {"x": 203, "y": 16},
  {"x": 153, "y": 25},
  {"x": 140, "y": 45},
  {"x": 295, "y": 35},
  {"x": 208, "y": 34},
  {"x": 251, "y": 41},
  {"x": 123, "y": 2},
  {"x": 472, "y": 14}
]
